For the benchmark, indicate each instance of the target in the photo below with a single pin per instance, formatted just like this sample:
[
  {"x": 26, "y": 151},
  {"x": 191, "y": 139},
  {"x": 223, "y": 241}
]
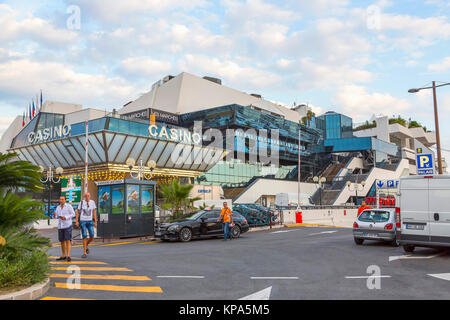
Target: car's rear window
[{"x": 374, "y": 216}]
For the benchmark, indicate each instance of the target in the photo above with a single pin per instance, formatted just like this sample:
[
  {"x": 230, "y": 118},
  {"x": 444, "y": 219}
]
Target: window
[
  {"x": 374, "y": 216},
  {"x": 147, "y": 199},
  {"x": 117, "y": 200}
]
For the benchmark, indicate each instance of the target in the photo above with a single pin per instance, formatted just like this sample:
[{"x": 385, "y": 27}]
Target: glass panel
[
  {"x": 115, "y": 146},
  {"x": 118, "y": 197},
  {"x": 104, "y": 199},
  {"x": 166, "y": 154},
  {"x": 133, "y": 199},
  {"x": 147, "y": 199},
  {"x": 98, "y": 148},
  {"x": 123, "y": 154},
  {"x": 135, "y": 153},
  {"x": 148, "y": 150},
  {"x": 61, "y": 158}
]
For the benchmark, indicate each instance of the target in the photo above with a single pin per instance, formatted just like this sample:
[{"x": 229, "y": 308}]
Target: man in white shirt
[
  {"x": 87, "y": 219},
  {"x": 64, "y": 213}
]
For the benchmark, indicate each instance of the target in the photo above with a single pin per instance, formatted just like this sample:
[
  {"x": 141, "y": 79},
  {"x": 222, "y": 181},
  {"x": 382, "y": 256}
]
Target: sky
[{"x": 355, "y": 57}]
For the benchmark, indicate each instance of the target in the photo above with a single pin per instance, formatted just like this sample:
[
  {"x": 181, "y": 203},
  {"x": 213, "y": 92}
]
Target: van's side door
[
  {"x": 440, "y": 210},
  {"x": 414, "y": 209}
]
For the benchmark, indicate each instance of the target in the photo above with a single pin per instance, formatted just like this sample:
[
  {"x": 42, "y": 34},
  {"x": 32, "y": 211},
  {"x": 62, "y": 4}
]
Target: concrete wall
[
  {"x": 8, "y": 135},
  {"x": 83, "y": 115},
  {"x": 271, "y": 187},
  {"x": 206, "y": 192},
  {"x": 330, "y": 217}
]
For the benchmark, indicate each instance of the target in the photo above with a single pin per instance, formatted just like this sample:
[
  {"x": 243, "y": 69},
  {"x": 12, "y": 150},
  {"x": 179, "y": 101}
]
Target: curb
[
  {"x": 255, "y": 229},
  {"x": 297, "y": 225},
  {"x": 32, "y": 293}
]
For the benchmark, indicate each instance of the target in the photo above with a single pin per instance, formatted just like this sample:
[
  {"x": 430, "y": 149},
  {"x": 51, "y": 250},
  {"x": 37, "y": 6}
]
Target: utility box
[{"x": 126, "y": 208}]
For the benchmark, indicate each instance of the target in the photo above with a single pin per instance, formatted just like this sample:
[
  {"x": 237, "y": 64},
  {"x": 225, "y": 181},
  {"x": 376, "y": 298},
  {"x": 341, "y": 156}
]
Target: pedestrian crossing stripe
[
  {"x": 100, "y": 277},
  {"x": 92, "y": 268},
  {"x": 108, "y": 287},
  {"x": 59, "y": 298},
  {"x": 78, "y": 262}
]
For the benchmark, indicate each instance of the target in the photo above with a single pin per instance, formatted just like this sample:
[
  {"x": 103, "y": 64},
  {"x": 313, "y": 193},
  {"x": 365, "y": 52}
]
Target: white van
[{"x": 424, "y": 212}]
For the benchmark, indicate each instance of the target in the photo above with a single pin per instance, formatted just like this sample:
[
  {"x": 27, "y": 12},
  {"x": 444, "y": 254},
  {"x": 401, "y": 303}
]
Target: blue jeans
[
  {"x": 87, "y": 226},
  {"x": 226, "y": 230}
]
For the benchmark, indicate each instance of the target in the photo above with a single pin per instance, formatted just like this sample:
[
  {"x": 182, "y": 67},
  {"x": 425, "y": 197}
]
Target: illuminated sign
[
  {"x": 49, "y": 134},
  {"x": 174, "y": 134},
  {"x": 425, "y": 164},
  {"x": 160, "y": 116}
]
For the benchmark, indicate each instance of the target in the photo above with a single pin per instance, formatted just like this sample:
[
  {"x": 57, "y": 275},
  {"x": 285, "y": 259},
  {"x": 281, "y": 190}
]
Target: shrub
[{"x": 26, "y": 270}]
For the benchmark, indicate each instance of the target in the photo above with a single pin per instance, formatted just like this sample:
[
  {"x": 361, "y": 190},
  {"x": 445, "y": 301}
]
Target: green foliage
[
  {"x": 398, "y": 120},
  {"x": 204, "y": 206},
  {"x": 176, "y": 198},
  {"x": 18, "y": 174},
  {"x": 22, "y": 259},
  {"x": 308, "y": 117},
  {"x": 365, "y": 126},
  {"x": 26, "y": 270}
]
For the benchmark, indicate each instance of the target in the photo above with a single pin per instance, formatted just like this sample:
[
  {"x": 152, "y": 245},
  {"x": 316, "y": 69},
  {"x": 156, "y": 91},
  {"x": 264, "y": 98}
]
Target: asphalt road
[{"x": 295, "y": 263}]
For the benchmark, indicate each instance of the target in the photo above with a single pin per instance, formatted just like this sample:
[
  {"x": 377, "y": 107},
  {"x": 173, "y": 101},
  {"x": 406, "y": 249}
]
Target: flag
[
  {"x": 41, "y": 102},
  {"x": 29, "y": 111},
  {"x": 33, "y": 110},
  {"x": 23, "y": 120}
]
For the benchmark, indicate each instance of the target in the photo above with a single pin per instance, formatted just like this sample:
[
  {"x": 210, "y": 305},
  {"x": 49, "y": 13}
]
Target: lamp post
[
  {"x": 321, "y": 181},
  {"x": 50, "y": 178},
  {"x": 436, "y": 119},
  {"x": 141, "y": 169},
  {"x": 356, "y": 188}
]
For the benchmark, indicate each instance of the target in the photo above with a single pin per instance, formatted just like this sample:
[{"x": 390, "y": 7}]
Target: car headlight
[{"x": 173, "y": 228}]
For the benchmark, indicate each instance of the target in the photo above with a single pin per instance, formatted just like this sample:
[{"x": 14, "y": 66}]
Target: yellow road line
[
  {"x": 93, "y": 268},
  {"x": 58, "y": 298},
  {"x": 74, "y": 246},
  {"x": 150, "y": 242},
  {"x": 109, "y": 287},
  {"x": 78, "y": 262},
  {"x": 100, "y": 277},
  {"x": 116, "y": 244}
]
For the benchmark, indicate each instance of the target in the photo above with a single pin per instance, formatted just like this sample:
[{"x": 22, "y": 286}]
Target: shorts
[
  {"x": 65, "y": 234},
  {"x": 87, "y": 226}
]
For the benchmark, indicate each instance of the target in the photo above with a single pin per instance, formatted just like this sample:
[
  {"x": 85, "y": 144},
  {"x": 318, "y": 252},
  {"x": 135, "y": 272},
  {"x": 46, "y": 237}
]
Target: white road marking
[
  {"x": 443, "y": 276},
  {"x": 274, "y": 278},
  {"x": 260, "y": 295},
  {"x": 283, "y": 231},
  {"x": 366, "y": 277},
  {"x": 410, "y": 256},
  {"x": 323, "y": 232},
  {"x": 185, "y": 277}
]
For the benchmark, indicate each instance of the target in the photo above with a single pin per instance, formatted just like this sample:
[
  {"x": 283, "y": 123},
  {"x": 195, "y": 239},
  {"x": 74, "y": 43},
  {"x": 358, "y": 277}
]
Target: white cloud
[
  {"x": 229, "y": 70},
  {"x": 31, "y": 28},
  {"x": 145, "y": 66},
  {"x": 22, "y": 77},
  {"x": 441, "y": 66},
  {"x": 115, "y": 11},
  {"x": 358, "y": 103}
]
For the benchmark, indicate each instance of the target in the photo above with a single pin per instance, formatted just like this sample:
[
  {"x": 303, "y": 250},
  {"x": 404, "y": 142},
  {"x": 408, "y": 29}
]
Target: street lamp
[
  {"x": 321, "y": 181},
  {"x": 141, "y": 174},
  {"x": 356, "y": 188},
  {"x": 436, "y": 118},
  {"x": 51, "y": 178}
]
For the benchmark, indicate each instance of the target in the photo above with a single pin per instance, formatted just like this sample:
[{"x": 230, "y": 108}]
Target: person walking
[
  {"x": 64, "y": 213},
  {"x": 87, "y": 220},
  {"x": 363, "y": 207},
  {"x": 227, "y": 220}
]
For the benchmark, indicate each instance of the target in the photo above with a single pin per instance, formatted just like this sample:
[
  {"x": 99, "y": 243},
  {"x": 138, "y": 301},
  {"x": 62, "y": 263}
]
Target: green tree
[
  {"x": 17, "y": 214},
  {"x": 176, "y": 198}
]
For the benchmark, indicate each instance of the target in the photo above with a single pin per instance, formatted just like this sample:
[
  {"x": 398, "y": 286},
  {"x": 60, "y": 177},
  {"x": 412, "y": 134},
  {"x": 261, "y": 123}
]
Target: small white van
[{"x": 424, "y": 211}]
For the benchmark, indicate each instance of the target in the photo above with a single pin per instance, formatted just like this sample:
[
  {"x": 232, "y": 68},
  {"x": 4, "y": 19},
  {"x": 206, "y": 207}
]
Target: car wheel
[
  {"x": 185, "y": 235},
  {"x": 359, "y": 241},
  {"x": 236, "y": 231},
  {"x": 408, "y": 248}
]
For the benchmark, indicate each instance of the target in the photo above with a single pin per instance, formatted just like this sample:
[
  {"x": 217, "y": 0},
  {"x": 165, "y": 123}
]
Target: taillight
[
  {"x": 398, "y": 219},
  {"x": 389, "y": 226},
  {"x": 355, "y": 225}
]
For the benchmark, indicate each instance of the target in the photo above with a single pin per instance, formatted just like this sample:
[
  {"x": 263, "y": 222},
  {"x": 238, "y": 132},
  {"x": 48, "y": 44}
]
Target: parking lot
[{"x": 288, "y": 263}]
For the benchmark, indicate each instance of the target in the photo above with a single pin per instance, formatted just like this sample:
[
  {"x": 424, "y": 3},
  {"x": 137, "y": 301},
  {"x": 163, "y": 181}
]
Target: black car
[{"x": 202, "y": 224}]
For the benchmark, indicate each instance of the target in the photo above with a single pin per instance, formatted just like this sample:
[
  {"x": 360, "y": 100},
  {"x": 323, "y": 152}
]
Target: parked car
[
  {"x": 267, "y": 211},
  {"x": 202, "y": 224},
  {"x": 254, "y": 216},
  {"x": 376, "y": 224},
  {"x": 423, "y": 215}
]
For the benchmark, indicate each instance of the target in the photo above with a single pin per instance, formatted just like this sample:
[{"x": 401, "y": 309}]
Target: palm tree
[
  {"x": 17, "y": 214},
  {"x": 176, "y": 197}
]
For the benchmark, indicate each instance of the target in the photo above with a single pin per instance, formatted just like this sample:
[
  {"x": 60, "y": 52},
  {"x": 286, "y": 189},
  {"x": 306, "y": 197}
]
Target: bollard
[{"x": 298, "y": 217}]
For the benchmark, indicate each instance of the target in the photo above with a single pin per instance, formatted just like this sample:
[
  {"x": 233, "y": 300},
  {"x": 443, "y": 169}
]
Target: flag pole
[
  {"x": 86, "y": 161},
  {"x": 299, "y": 162}
]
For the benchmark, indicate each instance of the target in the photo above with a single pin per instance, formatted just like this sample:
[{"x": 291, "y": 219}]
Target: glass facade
[{"x": 335, "y": 125}]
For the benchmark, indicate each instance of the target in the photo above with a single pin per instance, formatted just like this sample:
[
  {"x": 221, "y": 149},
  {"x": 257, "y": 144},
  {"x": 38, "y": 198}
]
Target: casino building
[{"x": 170, "y": 125}]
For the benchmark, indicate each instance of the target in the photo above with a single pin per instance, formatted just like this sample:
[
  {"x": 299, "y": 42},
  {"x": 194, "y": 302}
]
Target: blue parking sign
[{"x": 425, "y": 164}]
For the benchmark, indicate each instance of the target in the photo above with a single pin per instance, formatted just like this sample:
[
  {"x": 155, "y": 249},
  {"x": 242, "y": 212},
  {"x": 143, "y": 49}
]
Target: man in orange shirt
[
  {"x": 227, "y": 218},
  {"x": 363, "y": 207}
]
